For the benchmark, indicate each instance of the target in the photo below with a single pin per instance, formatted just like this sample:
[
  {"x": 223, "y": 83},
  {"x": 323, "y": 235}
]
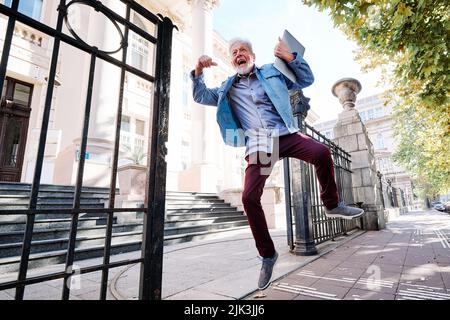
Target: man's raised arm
[{"x": 201, "y": 93}]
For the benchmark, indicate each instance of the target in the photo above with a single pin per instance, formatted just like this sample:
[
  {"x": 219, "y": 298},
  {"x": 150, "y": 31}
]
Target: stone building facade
[{"x": 197, "y": 158}]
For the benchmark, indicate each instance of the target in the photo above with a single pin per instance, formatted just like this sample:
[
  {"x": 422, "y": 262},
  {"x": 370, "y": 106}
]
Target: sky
[{"x": 328, "y": 52}]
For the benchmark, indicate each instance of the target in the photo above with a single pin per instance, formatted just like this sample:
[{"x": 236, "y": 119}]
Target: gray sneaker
[
  {"x": 344, "y": 212},
  {"x": 265, "y": 275}
]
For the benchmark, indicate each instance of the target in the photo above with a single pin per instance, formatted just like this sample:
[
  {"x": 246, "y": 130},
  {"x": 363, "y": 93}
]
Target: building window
[
  {"x": 185, "y": 154},
  {"x": 186, "y": 89},
  {"x": 140, "y": 48},
  {"x": 31, "y": 8},
  {"x": 329, "y": 134},
  {"x": 363, "y": 116},
  {"x": 185, "y": 98},
  {"x": 378, "y": 113},
  {"x": 125, "y": 124},
  {"x": 380, "y": 141},
  {"x": 187, "y": 116},
  {"x": 140, "y": 127}
]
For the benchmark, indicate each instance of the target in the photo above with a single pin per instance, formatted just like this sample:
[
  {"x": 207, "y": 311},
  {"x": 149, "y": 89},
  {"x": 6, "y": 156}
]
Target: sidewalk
[
  {"x": 222, "y": 269},
  {"x": 226, "y": 268},
  {"x": 410, "y": 260}
]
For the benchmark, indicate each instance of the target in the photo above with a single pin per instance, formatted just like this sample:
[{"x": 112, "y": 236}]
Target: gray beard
[{"x": 245, "y": 69}]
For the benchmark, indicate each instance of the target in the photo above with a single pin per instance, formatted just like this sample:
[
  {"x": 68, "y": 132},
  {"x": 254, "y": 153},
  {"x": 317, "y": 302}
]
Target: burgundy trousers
[{"x": 297, "y": 146}]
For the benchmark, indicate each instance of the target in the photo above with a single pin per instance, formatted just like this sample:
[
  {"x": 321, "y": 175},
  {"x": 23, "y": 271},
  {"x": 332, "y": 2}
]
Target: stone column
[
  {"x": 72, "y": 94},
  {"x": 202, "y": 176},
  {"x": 351, "y": 134}
]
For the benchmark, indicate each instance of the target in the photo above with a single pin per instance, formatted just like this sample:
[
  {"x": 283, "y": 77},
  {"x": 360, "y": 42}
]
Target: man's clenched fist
[{"x": 203, "y": 62}]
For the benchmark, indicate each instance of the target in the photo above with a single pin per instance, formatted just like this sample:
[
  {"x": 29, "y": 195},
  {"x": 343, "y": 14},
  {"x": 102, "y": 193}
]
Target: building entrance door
[{"x": 14, "y": 117}]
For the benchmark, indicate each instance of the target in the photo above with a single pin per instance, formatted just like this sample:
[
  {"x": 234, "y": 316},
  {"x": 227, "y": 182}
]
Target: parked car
[
  {"x": 447, "y": 206},
  {"x": 439, "y": 206}
]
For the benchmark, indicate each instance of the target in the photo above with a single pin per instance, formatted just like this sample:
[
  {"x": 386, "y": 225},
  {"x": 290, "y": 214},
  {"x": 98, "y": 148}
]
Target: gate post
[
  {"x": 351, "y": 134},
  {"x": 304, "y": 237},
  {"x": 155, "y": 196}
]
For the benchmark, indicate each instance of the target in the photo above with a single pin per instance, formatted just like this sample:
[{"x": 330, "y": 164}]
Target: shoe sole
[
  {"x": 271, "y": 277},
  {"x": 344, "y": 217}
]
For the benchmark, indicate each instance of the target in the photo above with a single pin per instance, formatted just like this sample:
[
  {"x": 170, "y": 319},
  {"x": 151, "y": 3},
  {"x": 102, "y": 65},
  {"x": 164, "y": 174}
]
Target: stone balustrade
[{"x": 31, "y": 35}]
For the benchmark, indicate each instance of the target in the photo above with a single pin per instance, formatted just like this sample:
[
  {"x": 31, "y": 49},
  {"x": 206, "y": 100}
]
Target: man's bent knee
[{"x": 322, "y": 154}]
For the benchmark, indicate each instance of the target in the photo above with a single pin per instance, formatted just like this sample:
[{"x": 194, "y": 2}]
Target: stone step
[
  {"x": 48, "y": 201},
  {"x": 199, "y": 215},
  {"x": 169, "y": 231},
  {"x": 189, "y": 216},
  {"x": 23, "y": 200},
  {"x": 59, "y": 205},
  {"x": 205, "y": 221},
  {"x": 85, "y": 241},
  {"x": 189, "y": 198},
  {"x": 86, "y": 221},
  {"x": 11, "y": 264},
  {"x": 50, "y": 194},
  {"x": 40, "y": 246},
  {"x": 188, "y": 205},
  {"x": 4, "y": 186},
  {"x": 60, "y": 233},
  {"x": 45, "y": 224},
  {"x": 197, "y": 201},
  {"x": 201, "y": 210},
  {"x": 22, "y": 195},
  {"x": 195, "y": 194},
  {"x": 174, "y": 216}
]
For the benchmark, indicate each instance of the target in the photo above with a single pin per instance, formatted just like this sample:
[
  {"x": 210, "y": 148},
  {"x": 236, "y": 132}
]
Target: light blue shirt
[{"x": 256, "y": 113}]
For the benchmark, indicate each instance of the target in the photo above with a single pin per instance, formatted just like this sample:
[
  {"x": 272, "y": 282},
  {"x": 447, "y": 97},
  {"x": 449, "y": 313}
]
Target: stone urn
[
  {"x": 132, "y": 179},
  {"x": 346, "y": 90}
]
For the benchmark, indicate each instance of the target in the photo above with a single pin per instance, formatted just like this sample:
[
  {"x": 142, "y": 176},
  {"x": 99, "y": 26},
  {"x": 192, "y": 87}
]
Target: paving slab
[{"x": 409, "y": 260}]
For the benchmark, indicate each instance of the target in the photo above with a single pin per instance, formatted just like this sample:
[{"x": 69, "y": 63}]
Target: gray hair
[{"x": 245, "y": 42}]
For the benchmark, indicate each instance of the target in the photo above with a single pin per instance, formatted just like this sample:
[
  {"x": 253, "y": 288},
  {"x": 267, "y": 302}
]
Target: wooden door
[{"x": 14, "y": 117}]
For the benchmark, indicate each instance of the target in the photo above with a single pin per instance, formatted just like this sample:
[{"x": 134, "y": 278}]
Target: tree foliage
[{"x": 410, "y": 40}]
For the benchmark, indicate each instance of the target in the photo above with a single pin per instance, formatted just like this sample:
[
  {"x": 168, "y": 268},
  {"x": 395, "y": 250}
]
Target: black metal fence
[
  {"x": 152, "y": 244},
  {"x": 304, "y": 209}
]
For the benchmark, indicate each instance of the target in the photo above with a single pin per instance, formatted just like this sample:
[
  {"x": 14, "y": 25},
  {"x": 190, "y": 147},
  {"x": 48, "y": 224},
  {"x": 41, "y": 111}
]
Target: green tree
[{"x": 410, "y": 41}]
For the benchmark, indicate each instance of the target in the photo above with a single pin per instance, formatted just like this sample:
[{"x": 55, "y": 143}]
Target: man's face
[{"x": 242, "y": 59}]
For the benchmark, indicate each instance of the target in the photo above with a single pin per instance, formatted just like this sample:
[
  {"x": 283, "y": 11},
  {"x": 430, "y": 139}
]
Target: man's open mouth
[{"x": 241, "y": 62}]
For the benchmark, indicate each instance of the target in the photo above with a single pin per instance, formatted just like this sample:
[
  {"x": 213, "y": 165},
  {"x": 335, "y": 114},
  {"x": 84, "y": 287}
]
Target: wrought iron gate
[
  {"x": 152, "y": 243},
  {"x": 304, "y": 209}
]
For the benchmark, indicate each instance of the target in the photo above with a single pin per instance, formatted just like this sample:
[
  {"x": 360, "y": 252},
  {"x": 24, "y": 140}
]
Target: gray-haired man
[{"x": 255, "y": 103}]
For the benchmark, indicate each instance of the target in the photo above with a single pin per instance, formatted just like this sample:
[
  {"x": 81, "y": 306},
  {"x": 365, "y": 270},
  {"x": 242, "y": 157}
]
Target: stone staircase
[{"x": 189, "y": 217}]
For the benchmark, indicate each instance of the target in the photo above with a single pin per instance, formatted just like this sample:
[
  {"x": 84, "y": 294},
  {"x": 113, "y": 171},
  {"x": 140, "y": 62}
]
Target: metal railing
[
  {"x": 152, "y": 242},
  {"x": 304, "y": 209}
]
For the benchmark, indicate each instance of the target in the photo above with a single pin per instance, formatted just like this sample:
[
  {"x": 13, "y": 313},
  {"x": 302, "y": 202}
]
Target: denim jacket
[{"x": 275, "y": 84}]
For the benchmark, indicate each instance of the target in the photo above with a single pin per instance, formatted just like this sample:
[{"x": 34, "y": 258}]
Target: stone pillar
[
  {"x": 351, "y": 134},
  {"x": 71, "y": 108},
  {"x": 202, "y": 176},
  {"x": 107, "y": 80}
]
